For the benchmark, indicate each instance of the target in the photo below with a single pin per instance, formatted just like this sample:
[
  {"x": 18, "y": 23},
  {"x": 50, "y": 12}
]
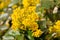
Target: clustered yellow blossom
[
  {"x": 37, "y": 33},
  {"x": 55, "y": 28},
  {"x": 26, "y": 17},
  {"x": 4, "y": 3},
  {"x": 27, "y": 3}
]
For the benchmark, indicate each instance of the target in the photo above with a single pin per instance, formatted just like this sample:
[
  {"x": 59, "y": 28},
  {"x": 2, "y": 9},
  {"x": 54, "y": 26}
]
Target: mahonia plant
[{"x": 26, "y": 17}]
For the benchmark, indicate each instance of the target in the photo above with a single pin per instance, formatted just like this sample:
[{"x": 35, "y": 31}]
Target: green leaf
[
  {"x": 8, "y": 38},
  {"x": 12, "y": 33},
  {"x": 19, "y": 37},
  {"x": 30, "y": 35},
  {"x": 42, "y": 24},
  {"x": 13, "y": 2}
]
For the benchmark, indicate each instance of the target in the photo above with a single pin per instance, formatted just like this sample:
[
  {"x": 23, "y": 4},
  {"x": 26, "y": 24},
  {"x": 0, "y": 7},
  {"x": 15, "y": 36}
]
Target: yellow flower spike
[
  {"x": 37, "y": 33},
  {"x": 26, "y": 16},
  {"x": 56, "y": 28}
]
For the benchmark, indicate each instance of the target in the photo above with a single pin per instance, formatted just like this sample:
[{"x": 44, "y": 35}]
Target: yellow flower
[
  {"x": 26, "y": 22},
  {"x": 3, "y": 3},
  {"x": 33, "y": 26},
  {"x": 55, "y": 28},
  {"x": 58, "y": 22},
  {"x": 22, "y": 27},
  {"x": 26, "y": 16},
  {"x": 37, "y": 33},
  {"x": 23, "y": 17},
  {"x": 32, "y": 8},
  {"x": 50, "y": 29},
  {"x": 14, "y": 27},
  {"x": 27, "y": 3}
]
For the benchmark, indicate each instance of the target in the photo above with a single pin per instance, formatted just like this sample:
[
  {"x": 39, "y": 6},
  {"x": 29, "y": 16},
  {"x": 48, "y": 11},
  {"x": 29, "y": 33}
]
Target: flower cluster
[
  {"x": 26, "y": 17},
  {"x": 37, "y": 33},
  {"x": 27, "y": 3},
  {"x": 55, "y": 28}
]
